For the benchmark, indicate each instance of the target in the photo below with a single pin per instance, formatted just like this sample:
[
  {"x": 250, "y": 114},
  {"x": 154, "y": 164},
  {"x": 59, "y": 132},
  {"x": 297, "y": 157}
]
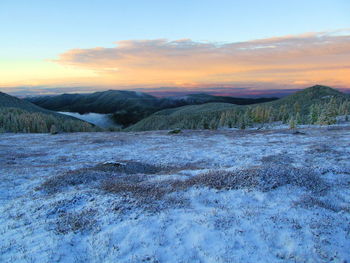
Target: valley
[
  {"x": 116, "y": 110},
  {"x": 101, "y": 120}
]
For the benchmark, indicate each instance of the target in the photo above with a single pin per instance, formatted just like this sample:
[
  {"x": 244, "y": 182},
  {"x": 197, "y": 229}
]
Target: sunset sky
[{"x": 224, "y": 47}]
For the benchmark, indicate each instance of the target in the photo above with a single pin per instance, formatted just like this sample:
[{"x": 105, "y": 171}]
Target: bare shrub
[
  {"x": 96, "y": 174},
  {"x": 264, "y": 178},
  {"x": 76, "y": 221},
  {"x": 72, "y": 178},
  {"x": 139, "y": 190},
  {"x": 151, "y": 196}
]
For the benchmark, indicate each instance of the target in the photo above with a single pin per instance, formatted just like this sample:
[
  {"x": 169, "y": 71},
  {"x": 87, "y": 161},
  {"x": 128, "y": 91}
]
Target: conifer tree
[
  {"x": 314, "y": 113},
  {"x": 292, "y": 124}
]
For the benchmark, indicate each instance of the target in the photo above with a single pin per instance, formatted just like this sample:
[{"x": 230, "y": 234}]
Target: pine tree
[
  {"x": 292, "y": 124},
  {"x": 297, "y": 107},
  {"x": 314, "y": 113},
  {"x": 242, "y": 123},
  {"x": 325, "y": 118},
  {"x": 222, "y": 121},
  {"x": 298, "y": 118},
  {"x": 246, "y": 118}
]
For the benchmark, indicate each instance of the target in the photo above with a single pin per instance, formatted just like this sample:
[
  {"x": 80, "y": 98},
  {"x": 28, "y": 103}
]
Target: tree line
[
  {"x": 322, "y": 112},
  {"x": 18, "y": 120}
]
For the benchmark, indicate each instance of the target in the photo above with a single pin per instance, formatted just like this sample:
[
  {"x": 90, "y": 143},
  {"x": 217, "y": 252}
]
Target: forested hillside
[
  {"x": 129, "y": 107},
  {"x": 314, "y": 105},
  {"x": 17, "y": 115}
]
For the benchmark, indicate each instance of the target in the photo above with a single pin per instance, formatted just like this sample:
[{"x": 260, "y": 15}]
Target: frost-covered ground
[{"x": 197, "y": 196}]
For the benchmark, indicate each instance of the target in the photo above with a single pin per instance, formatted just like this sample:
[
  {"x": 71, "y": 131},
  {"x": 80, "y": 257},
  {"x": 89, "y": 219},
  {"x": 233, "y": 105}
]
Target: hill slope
[
  {"x": 317, "y": 104},
  {"x": 18, "y": 115},
  {"x": 129, "y": 107},
  {"x": 13, "y": 102},
  {"x": 186, "y": 117}
]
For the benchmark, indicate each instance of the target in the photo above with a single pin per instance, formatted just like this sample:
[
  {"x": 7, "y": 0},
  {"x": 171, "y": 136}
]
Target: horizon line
[{"x": 161, "y": 92}]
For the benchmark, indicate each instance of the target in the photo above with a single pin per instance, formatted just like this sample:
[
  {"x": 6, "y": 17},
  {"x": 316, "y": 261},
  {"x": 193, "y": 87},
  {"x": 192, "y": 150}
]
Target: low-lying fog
[{"x": 101, "y": 120}]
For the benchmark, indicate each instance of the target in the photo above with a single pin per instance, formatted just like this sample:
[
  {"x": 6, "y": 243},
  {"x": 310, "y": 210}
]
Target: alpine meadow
[{"x": 183, "y": 131}]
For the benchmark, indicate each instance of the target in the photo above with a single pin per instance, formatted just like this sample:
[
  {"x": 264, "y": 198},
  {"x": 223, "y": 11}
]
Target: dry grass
[
  {"x": 97, "y": 174},
  {"x": 264, "y": 178},
  {"x": 75, "y": 221},
  {"x": 134, "y": 180},
  {"x": 139, "y": 189}
]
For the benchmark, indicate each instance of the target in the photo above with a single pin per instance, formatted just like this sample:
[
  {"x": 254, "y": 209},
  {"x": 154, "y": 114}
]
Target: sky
[{"x": 227, "y": 47}]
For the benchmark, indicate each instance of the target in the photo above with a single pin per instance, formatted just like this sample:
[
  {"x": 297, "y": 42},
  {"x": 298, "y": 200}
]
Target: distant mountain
[
  {"x": 309, "y": 96},
  {"x": 129, "y": 107},
  {"x": 317, "y": 104},
  {"x": 200, "y": 98},
  {"x": 98, "y": 102},
  {"x": 10, "y": 101},
  {"x": 18, "y": 115}
]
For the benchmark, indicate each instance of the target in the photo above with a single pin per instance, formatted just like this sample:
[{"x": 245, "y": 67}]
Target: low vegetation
[
  {"x": 75, "y": 221},
  {"x": 99, "y": 173},
  {"x": 132, "y": 179},
  {"x": 264, "y": 178}
]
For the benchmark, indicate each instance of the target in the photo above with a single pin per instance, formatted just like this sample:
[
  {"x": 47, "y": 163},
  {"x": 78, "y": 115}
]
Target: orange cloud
[{"x": 309, "y": 58}]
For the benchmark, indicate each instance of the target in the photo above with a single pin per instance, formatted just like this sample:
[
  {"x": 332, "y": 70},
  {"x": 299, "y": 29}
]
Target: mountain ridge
[
  {"x": 321, "y": 102},
  {"x": 128, "y": 107}
]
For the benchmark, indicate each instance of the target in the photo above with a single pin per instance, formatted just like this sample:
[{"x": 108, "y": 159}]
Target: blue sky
[{"x": 33, "y": 30}]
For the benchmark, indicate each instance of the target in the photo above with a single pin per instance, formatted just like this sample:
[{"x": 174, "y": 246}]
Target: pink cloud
[{"x": 308, "y": 58}]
